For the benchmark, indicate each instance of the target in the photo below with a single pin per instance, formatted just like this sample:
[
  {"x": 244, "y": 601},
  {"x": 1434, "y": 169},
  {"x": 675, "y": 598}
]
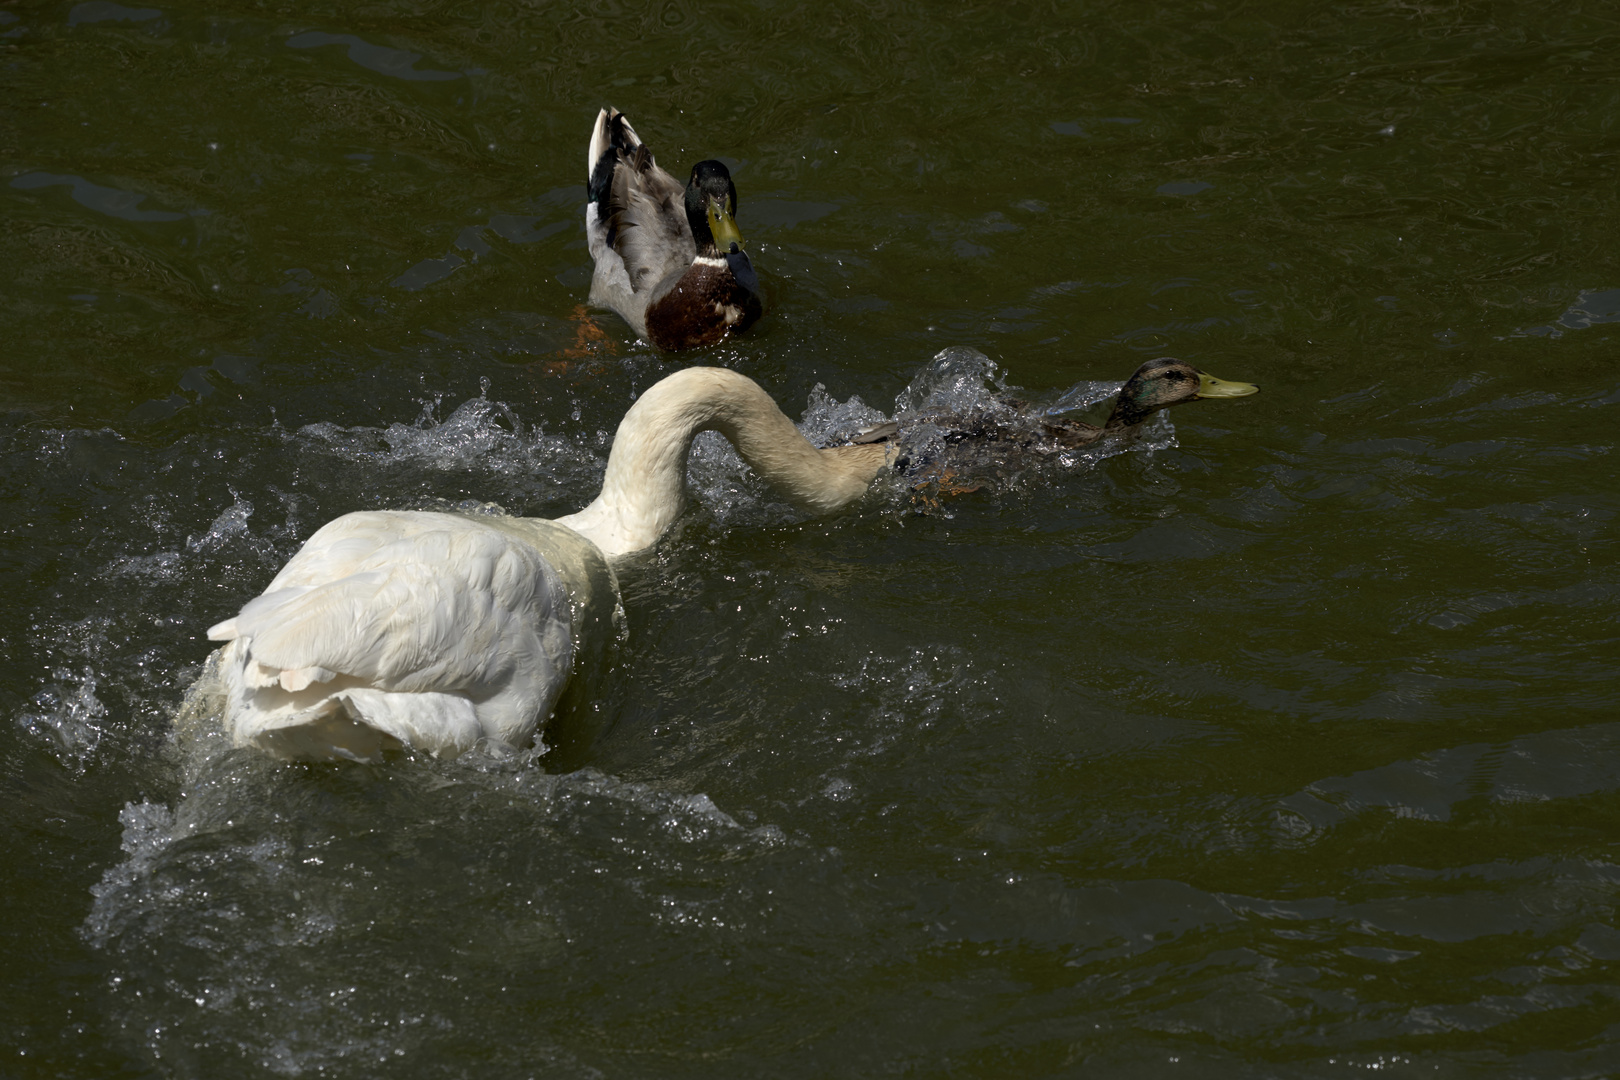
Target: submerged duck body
[
  {"x": 668, "y": 259},
  {"x": 443, "y": 631},
  {"x": 981, "y": 446}
]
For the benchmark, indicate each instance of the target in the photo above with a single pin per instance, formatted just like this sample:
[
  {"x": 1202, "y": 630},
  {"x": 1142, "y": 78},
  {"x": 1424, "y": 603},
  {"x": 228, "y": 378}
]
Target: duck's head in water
[
  {"x": 990, "y": 442},
  {"x": 1167, "y": 381}
]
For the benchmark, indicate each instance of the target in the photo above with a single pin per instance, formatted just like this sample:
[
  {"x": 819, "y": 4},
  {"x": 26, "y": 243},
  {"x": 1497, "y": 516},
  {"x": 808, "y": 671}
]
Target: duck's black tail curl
[{"x": 613, "y": 141}]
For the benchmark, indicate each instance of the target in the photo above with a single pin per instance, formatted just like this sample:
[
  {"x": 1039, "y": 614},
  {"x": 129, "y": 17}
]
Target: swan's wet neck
[{"x": 644, "y": 488}]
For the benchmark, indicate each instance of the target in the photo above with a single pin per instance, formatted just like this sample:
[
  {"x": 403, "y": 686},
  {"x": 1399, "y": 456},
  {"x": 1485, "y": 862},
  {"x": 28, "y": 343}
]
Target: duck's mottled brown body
[{"x": 706, "y": 304}]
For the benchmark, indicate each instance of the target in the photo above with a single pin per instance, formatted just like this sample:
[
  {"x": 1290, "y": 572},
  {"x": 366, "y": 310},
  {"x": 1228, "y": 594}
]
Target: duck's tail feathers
[{"x": 612, "y": 140}]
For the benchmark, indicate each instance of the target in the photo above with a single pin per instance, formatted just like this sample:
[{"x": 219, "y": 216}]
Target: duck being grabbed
[{"x": 959, "y": 450}]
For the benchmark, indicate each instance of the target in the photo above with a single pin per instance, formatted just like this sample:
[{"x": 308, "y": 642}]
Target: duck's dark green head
[
  {"x": 711, "y": 208},
  {"x": 1167, "y": 381}
]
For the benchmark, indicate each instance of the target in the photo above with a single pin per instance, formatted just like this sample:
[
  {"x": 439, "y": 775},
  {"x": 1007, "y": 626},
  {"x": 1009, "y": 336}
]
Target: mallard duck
[
  {"x": 993, "y": 436},
  {"x": 669, "y": 260},
  {"x": 439, "y": 631}
]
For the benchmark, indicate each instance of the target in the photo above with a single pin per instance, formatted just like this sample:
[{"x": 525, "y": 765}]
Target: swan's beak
[
  {"x": 1209, "y": 386},
  {"x": 724, "y": 227}
]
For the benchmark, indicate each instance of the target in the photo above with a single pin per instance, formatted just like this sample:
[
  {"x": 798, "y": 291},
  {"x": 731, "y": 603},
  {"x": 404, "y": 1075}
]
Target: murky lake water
[{"x": 1285, "y": 744}]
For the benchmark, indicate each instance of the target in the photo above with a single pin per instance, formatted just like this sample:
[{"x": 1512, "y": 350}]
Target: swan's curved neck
[{"x": 645, "y": 483}]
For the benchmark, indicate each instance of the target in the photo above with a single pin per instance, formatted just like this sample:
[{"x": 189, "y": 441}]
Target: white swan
[{"x": 438, "y": 630}]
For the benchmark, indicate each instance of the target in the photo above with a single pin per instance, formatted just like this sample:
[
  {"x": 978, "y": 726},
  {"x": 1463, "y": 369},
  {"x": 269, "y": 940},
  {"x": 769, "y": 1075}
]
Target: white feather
[{"x": 436, "y": 630}]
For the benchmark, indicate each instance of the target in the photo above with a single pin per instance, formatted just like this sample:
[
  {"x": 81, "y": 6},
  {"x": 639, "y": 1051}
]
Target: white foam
[
  {"x": 480, "y": 434},
  {"x": 148, "y": 831},
  {"x": 69, "y": 716},
  {"x": 230, "y": 524},
  {"x": 689, "y": 818}
]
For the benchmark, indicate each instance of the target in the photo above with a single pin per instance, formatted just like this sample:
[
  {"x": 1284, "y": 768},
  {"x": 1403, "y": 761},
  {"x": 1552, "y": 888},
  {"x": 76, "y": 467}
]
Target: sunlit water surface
[{"x": 1282, "y": 743}]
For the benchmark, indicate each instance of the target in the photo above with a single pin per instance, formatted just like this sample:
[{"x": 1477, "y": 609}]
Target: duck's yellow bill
[
  {"x": 1209, "y": 386},
  {"x": 724, "y": 228}
]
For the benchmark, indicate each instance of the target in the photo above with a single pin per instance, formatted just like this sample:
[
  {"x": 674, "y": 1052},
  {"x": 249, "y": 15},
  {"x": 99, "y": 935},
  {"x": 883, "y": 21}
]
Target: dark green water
[{"x": 1287, "y": 750}]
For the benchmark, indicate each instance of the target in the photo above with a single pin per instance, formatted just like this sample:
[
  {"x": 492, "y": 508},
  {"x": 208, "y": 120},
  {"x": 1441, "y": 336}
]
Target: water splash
[
  {"x": 149, "y": 829},
  {"x": 263, "y": 889},
  {"x": 957, "y": 380},
  {"x": 479, "y": 433},
  {"x": 829, "y": 422},
  {"x": 960, "y": 387},
  {"x": 231, "y": 523},
  {"x": 68, "y": 715}
]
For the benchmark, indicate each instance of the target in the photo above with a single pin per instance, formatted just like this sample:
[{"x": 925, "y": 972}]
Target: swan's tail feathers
[
  {"x": 328, "y": 731},
  {"x": 259, "y": 675},
  {"x": 223, "y": 631},
  {"x": 298, "y": 679},
  {"x": 359, "y": 724},
  {"x": 298, "y": 716},
  {"x": 363, "y": 724}
]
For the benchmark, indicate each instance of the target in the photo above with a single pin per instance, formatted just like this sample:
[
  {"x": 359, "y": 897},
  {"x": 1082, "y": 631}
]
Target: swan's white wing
[{"x": 434, "y": 629}]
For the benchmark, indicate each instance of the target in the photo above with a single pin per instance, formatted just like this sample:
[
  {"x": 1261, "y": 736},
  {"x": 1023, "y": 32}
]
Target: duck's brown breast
[{"x": 703, "y": 307}]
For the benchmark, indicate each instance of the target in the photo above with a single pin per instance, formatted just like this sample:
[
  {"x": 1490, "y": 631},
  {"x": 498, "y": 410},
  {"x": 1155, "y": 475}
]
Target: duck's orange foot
[
  {"x": 589, "y": 338},
  {"x": 943, "y": 483}
]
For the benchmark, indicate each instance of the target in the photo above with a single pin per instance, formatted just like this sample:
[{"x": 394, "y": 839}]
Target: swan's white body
[{"x": 439, "y": 631}]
